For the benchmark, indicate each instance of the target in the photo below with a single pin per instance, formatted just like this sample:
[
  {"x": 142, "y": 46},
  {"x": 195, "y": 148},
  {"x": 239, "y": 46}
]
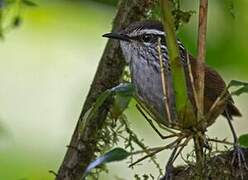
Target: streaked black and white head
[{"x": 139, "y": 40}]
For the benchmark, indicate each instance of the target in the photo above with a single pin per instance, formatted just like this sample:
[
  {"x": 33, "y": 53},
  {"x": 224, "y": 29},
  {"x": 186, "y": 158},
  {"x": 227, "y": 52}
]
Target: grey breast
[{"x": 146, "y": 77}]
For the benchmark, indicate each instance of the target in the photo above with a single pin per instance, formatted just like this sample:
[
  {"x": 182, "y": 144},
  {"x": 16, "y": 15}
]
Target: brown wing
[{"x": 214, "y": 86}]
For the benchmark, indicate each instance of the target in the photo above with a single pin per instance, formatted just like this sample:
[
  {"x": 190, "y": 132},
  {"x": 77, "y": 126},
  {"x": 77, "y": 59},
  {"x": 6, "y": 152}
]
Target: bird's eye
[{"x": 147, "y": 38}]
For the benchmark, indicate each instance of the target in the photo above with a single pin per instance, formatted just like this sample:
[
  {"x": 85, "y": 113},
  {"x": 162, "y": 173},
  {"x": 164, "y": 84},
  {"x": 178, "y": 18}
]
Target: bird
[{"x": 138, "y": 42}]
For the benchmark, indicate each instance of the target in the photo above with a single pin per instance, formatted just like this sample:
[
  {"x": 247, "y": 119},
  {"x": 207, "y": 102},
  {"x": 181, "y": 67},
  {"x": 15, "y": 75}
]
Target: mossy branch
[{"x": 179, "y": 84}]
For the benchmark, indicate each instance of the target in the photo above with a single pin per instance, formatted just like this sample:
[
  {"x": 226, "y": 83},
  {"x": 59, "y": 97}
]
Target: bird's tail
[{"x": 232, "y": 110}]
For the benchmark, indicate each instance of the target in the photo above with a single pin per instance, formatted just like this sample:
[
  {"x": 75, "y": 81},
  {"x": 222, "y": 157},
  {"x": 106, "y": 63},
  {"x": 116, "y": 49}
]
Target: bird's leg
[
  {"x": 169, "y": 165},
  {"x": 153, "y": 126},
  {"x": 176, "y": 151},
  {"x": 238, "y": 155}
]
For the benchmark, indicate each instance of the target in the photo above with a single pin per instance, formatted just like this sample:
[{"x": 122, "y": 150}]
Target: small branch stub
[
  {"x": 199, "y": 86},
  {"x": 202, "y": 30},
  {"x": 178, "y": 79}
]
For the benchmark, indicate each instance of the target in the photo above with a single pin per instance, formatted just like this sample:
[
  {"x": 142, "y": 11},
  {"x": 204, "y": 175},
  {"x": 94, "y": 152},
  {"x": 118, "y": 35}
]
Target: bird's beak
[{"x": 117, "y": 36}]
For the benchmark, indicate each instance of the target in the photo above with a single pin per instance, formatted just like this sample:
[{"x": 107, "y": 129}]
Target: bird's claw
[
  {"x": 169, "y": 173},
  {"x": 238, "y": 161}
]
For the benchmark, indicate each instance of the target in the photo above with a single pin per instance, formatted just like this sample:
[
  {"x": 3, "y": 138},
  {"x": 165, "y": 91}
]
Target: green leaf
[
  {"x": 124, "y": 93},
  {"x": 240, "y": 91},
  {"x": 29, "y": 3},
  {"x": 116, "y": 154},
  {"x": 243, "y": 87},
  {"x": 16, "y": 22},
  {"x": 8, "y": 2},
  {"x": 182, "y": 16},
  {"x": 100, "y": 100},
  {"x": 232, "y": 9},
  {"x": 243, "y": 140},
  {"x": 84, "y": 121},
  {"x": 237, "y": 83},
  {"x": 1, "y": 23},
  {"x": 120, "y": 105},
  {"x": 89, "y": 114},
  {"x": 108, "y": 2},
  {"x": 124, "y": 89},
  {"x": 2, "y": 3}
]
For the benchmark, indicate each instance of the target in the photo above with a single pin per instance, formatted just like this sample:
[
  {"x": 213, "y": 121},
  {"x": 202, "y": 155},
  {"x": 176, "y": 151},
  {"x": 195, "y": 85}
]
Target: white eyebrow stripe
[
  {"x": 151, "y": 31},
  {"x": 147, "y": 31}
]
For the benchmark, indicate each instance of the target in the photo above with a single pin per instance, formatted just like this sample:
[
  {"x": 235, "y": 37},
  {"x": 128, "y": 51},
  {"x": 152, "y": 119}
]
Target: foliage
[
  {"x": 108, "y": 2},
  {"x": 29, "y": 3},
  {"x": 123, "y": 94},
  {"x": 116, "y": 154},
  {"x": 10, "y": 14},
  {"x": 231, "y": 8},
  {"x": 116, "y": 128},
  {"x": 180, "y": 15},
  {"x": 3, "y": 131},
  {"x": 243, "y": 87},
  {"x": 243, "y": 140}
]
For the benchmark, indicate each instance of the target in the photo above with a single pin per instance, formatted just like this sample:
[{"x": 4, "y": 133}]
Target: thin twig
[
  {"x": 153, "y": 117},
  {"x": 218, "y": 100},
  {"x": 220, "y": 141},
  {"x": 182, "y": 146},
  {"x": 215, "y": 108},
  {"x": 154, "y": 128},
  {"x": 169, "y": 146},
  {"x": 191, "y": 79},
  {"x": 200, "y": 71},
  {"x": 140, "y": 144},
  {"x": 149, "y": 149},
  {"x": 165, "y": 94},
  {"x": 53, "y": 172},
  {"x": 170, "y": 161},
  {"x": 199, "y": 86}
]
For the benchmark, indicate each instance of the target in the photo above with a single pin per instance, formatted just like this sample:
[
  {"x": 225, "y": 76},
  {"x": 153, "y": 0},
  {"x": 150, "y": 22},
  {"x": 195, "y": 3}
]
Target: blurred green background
[{"x": 48, "y": 63}]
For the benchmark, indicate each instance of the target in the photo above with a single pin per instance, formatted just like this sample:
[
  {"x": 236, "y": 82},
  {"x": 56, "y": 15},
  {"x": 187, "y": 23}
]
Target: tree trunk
[{"x": 82, "y": 147}]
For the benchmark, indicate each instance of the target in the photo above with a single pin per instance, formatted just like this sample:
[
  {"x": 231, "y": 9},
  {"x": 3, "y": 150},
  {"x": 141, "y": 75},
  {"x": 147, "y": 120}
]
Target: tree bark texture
[{"x": 82, "y": 148}]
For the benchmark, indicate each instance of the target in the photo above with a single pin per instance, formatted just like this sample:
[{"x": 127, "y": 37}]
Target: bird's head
[{"x": 140, "y": 39}]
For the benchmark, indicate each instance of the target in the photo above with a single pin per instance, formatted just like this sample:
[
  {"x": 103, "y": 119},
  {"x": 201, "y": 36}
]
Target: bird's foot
[
  {"x": 169, "y": 173},
  {"x": 238, "y": 161},
  {"x": 238, "y": 158}
]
